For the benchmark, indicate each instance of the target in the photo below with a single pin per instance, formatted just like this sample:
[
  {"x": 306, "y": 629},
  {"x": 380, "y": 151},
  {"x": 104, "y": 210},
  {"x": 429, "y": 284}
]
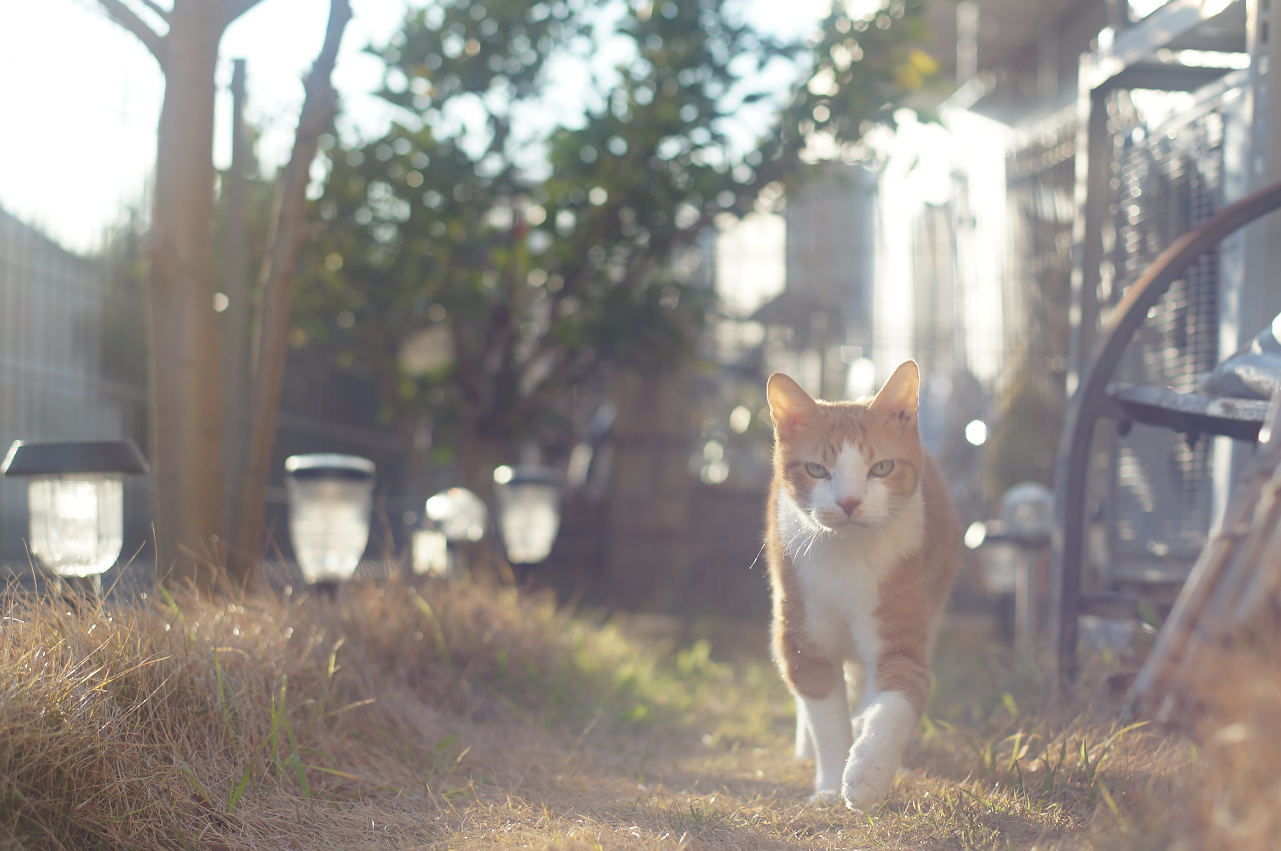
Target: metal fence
[
  {"x": 1167, "y": 178},
  {"x": 1031, "y": 392}
]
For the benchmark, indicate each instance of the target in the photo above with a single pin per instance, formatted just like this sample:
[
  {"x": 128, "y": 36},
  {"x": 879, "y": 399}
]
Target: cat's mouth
[{"x": 836, "y": 521}]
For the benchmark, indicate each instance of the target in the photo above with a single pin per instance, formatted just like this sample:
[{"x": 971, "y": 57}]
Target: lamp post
[
  {"x": 528, "y": 510},
  {"x": 459, "y": 517},
  {"x": 75, "y": 502},
  {"x": 461, "y": 514},
  {"x": 1027, "y": 512},
  {"x": 330, "y": 500},
  {"x": 430, "y": 553},
  {"x": 1013, "y": 552}
]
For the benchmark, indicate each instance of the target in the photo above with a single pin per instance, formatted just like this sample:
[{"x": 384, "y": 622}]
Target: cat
[{"x": 863, "y": 544}]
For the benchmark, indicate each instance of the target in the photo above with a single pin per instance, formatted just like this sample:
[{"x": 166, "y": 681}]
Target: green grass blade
[
  {"x": 437, "y": 631},
  {"x": 190, "y": 774},
  {"x": 233, "y": 796},
  {"x": 301, "y": 773}
]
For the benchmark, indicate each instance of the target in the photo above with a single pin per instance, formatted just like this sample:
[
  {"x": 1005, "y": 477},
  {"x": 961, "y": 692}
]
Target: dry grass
[
  {"x": 1234, "y": 800},
  {"x": 469, "y": 717}
]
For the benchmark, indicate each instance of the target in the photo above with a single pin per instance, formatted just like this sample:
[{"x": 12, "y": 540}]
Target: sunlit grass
[{"x": 471, "y": 717}]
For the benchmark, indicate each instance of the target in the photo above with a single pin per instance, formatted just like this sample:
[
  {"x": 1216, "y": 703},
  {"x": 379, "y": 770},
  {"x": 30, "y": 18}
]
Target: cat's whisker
[
  {"x": 810, "y": 543},
  {"x": 796, "y": 537}
]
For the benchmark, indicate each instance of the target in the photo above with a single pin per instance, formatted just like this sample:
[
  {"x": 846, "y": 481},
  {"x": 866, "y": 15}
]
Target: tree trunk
[
  {"x": 388, "y": 375},
  {"x": 185, "y": 380},
  {"x": 474, "y": 460},
  {"x": 648, "y": 510},
  {"x": 236, "y": 287},
  {"x": 184, "y": 363},
  {"x": 289, "y": 229}
]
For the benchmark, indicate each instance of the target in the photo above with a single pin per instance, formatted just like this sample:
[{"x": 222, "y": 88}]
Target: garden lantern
[
  {"x": 461, "y": 514},
  {"x": 528, "y": 511},
  {"x": 1027, "y": 510},
  {"x": 75, "y": 501},
  {"x": 430, "y": 552},
  {"x": 1013, "y": 552},
  {"x": 330, "y": 500}
]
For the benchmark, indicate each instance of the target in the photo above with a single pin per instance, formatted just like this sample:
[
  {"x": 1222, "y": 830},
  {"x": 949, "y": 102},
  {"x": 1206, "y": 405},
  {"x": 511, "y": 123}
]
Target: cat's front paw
[{"x": 866, "y": 784}]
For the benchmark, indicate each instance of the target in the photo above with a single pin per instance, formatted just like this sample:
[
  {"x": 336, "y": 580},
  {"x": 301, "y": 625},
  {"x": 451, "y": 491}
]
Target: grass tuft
[{"x": 461, "y": 716}]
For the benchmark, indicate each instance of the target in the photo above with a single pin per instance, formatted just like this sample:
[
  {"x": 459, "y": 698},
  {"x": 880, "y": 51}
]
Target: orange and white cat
[{"x": 863, "y": 544}]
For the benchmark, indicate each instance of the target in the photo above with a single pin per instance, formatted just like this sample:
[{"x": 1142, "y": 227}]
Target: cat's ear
[
  {"x": 899, "y": 397},
  {"x": 790, "y": 407}
]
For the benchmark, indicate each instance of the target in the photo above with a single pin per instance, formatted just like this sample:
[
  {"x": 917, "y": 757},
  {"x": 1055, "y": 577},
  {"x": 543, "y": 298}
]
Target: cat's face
[{"x": 848, "y": 465}]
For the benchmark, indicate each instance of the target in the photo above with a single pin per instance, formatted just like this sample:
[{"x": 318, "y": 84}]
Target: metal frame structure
[
  {"x": 1129, "y": 60},
  {"x": 1093, "y": 402},
  {"x": 1145, "y": 55},
  {"x": 1230, "y": 595}
]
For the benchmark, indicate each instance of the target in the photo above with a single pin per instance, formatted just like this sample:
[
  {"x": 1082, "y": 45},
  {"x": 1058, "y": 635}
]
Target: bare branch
[
  {"x": 289, "y": 229},
  {"x": 127, "y": 18},
  {"x": 158, "y": 9},
  {"x": 236, "y": 8}
]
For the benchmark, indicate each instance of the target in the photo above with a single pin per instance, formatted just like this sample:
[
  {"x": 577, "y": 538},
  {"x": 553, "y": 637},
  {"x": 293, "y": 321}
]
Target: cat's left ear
[
  {"x": 899, "y": 397},
  {"x": 790, "y": 407}
]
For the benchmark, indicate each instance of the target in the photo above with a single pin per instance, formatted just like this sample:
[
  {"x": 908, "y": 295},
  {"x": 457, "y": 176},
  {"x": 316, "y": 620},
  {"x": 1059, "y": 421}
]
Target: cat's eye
[
  {"x": 818, "y": 471},
  {"x": 881, "y": 469}
]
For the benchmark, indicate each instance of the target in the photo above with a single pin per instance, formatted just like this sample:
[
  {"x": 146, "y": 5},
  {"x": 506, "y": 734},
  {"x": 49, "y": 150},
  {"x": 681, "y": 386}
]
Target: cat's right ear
[{"x": 790, "y": 407}]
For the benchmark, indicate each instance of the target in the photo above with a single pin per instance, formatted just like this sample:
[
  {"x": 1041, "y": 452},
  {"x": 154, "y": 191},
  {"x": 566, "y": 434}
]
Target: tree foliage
[{"x": 519, "y": 263}]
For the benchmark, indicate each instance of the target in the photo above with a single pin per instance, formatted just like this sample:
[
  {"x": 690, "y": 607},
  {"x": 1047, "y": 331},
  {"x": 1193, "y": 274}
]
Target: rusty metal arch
[{"x": 1090, "y": 403}]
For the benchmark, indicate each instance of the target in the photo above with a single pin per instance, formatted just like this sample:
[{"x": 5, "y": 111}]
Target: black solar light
[{"x": 75, "y": 500}]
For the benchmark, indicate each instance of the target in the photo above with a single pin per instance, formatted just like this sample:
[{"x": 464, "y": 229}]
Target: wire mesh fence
[
  {"x": 1031, "y": 394},
  {"x": 1167, "y": 179}
]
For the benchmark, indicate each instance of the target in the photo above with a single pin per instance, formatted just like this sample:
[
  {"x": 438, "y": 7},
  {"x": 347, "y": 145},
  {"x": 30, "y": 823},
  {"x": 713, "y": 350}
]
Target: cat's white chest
[{"x": 839, "y": 578}]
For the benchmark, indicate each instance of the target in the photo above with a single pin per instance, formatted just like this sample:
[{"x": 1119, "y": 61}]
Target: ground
[{"x": 438, "y": 716}]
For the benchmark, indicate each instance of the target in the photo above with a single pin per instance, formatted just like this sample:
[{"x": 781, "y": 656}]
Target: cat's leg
[
  {"x": 886, "y": 722},
  {"x": 819, "y": 687},
  {"x": 854, "y": 688},
  {"x": 828, "y": 723},
  {"x": 894, "y": 697},
  {"x": 804, "y": 741}
]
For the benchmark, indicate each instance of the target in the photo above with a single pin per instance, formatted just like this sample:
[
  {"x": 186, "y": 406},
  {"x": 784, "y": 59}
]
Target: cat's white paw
[
  {"x": 825, "y": 797},
  {"x": 866, "y": 784}
]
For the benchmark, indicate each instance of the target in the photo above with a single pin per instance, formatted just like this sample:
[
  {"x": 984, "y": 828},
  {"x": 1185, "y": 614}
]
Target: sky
[{"x": 81, "y": 97}]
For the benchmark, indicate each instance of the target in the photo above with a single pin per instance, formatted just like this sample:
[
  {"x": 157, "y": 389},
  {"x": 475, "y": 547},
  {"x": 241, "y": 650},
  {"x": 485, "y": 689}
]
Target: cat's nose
[{"x": 849, "y": 505}]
